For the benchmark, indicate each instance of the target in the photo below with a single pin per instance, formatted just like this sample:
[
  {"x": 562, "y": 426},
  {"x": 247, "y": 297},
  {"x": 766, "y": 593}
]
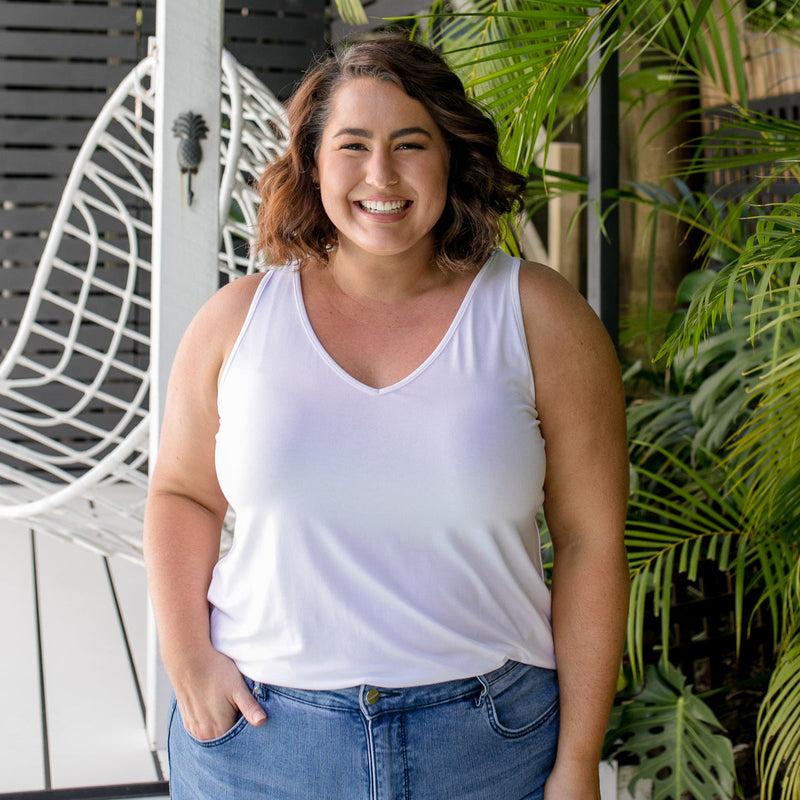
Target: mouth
[{"x": 383, "y": 206}]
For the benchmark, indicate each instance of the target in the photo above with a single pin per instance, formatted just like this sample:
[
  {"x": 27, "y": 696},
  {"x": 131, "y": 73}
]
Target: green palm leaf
[
  {"x": 778, "y": 752},
  {"x": 519, "y": 58},
  {"x": 677, "y": 518},
  {"x": 352, "y": 12},
  {"x": 767, "y": 272}
]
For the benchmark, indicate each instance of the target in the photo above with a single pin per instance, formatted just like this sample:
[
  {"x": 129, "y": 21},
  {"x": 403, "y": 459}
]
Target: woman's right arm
[{"x": 183, "y": 522}]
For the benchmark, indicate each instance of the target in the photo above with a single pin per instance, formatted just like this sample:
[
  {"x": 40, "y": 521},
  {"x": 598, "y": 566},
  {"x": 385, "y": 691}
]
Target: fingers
[
  {"x": 212, "y": 694},
  {"x": 249, "y": 706},
  {"x": 207, "y": 722},
  {"x": 208, "y": 715}
]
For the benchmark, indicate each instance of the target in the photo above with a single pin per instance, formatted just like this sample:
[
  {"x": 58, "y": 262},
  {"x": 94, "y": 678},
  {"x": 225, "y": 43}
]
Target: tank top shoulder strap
[{"x": 248, "y": 321}]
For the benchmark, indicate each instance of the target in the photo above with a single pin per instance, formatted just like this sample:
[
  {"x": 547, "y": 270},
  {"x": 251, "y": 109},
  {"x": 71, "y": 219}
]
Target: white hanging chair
[{"x": 74, "y": 382}]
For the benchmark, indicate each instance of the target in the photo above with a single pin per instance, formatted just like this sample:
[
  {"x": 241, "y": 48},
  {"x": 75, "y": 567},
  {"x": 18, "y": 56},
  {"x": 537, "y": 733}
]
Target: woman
[{"x": 377, "y": 414}]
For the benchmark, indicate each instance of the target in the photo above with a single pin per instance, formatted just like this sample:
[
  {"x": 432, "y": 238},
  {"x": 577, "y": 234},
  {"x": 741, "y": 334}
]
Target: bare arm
[
  {"x": 581, "y": 405},
  {"x": 183, "y": 522}
]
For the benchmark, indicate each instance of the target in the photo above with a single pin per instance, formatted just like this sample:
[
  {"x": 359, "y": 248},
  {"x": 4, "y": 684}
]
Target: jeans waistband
[{"x": 374, "y": 699}]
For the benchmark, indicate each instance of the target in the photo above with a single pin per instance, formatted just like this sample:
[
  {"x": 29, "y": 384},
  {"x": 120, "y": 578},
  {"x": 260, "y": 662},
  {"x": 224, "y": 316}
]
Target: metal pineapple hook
[{"x": 190, "y": 128}]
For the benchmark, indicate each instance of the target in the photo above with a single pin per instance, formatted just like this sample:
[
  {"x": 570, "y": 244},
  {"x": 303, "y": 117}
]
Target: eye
[
  {"x": 353, "y": 146},
  {"x": 411, "y": 146}
]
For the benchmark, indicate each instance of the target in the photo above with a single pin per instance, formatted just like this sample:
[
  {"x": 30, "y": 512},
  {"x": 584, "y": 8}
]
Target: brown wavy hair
[{"x": 292, "y": 223}]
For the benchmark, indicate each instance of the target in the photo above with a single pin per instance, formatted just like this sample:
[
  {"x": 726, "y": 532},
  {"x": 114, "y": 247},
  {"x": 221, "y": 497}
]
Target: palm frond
[
  {"x": 778, "y": 727},
  {"x": 352, "y": 12},
  {"x": 767, "y": 264},
  {"x": 767, "y": 274},
  {"x": 677, "y": 518}
]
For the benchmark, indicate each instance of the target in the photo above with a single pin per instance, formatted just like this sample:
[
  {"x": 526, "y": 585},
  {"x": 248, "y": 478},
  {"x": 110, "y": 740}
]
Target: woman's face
[{"x": 382, "y": 168}]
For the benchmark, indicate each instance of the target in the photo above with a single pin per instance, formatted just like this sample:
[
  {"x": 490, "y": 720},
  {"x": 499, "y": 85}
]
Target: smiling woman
[
  {"x": 376, "y": 413},
  {"x": 480, "y": 189}
]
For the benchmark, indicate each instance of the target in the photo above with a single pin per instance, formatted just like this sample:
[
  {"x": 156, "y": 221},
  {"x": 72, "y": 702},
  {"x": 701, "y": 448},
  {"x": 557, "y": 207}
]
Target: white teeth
[{"x": 383, "y": 207}]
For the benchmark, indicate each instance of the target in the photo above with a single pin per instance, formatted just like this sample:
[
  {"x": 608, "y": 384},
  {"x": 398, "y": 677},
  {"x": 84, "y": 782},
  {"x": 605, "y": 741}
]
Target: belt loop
[{"x": 484, "y": 691}]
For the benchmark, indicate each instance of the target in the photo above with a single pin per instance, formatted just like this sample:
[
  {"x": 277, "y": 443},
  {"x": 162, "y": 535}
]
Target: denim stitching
[
  {"x": 238, "y": 727},
  {"x": 509, "y": 733}
]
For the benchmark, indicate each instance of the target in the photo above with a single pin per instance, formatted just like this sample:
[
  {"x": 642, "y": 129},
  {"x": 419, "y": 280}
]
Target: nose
[{"x": 381, "y": 170}]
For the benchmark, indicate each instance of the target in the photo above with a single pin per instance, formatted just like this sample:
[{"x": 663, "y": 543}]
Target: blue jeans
[{"x": 487, "y": 738}]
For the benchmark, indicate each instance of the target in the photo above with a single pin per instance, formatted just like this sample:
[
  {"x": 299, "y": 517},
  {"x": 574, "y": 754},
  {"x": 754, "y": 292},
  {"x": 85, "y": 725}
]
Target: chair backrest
[{"x": 74, "y": 384}]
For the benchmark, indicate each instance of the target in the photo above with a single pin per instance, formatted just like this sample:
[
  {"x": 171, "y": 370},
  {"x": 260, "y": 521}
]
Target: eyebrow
[{"x": 365, "y": 134}]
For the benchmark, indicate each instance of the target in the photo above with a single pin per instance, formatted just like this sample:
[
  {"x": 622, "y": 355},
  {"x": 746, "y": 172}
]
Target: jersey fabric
[{"x": 383, "y": 536}]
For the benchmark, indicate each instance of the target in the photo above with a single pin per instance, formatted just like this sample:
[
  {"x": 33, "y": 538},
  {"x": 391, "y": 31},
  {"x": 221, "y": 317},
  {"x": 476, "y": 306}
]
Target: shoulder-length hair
[{"x": 292, "y": 223}]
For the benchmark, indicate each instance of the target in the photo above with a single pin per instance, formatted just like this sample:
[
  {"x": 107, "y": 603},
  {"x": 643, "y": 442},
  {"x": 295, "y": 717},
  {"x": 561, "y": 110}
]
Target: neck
[{"x": 384, "y": 278}]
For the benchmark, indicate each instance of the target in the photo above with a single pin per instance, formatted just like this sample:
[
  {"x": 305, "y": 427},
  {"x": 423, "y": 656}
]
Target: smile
[{"x": 384, "y": 207}]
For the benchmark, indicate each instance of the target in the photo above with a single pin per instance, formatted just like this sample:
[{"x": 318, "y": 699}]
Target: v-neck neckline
[{"x": 365, "y": 387}]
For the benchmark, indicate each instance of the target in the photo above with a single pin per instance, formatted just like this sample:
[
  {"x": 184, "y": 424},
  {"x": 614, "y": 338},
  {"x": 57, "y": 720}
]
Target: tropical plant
[
  {"x": 761, "y": 469},
  {"x": 666, "y": 711}
]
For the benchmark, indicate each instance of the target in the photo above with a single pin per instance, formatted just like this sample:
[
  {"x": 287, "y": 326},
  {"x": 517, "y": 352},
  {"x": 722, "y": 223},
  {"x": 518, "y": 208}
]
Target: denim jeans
[{"x": 492, "y": 737}]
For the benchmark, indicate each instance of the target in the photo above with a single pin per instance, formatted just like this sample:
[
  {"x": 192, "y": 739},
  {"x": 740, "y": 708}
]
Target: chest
[{"x": 381, "y": 344}]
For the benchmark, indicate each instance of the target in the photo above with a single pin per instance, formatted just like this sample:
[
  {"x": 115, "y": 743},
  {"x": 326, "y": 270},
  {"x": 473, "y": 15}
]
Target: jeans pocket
[
  {"x": 232, "y": 732},
  {"x": 524, "y": 701}
]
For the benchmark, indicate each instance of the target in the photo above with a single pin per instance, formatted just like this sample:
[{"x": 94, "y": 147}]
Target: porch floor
[{"x": 74, "y": 647}]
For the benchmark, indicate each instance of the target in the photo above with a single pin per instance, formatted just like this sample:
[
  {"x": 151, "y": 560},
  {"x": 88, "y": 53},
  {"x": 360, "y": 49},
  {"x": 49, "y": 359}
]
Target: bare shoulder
[
  {"x": 228, "y": 307},
  {"x": 216, "y": 326},
  {"x": 191, "y": 418},
  {"x": 550, "y": 303},
  {"x": 581, "y": 404},
  {"x": 574, "y": 362}
]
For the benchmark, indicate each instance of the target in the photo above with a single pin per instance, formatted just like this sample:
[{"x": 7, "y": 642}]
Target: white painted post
[
  {"x": 608, "y": 780},
  {"x": 188, "y": 47}
]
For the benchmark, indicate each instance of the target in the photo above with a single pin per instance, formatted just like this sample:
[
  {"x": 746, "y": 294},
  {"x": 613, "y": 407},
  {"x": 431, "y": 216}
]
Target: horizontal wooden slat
[
  {"x": 26, "y": 219},
  {"x": 37, "y": 161},
  {"x": 31, "y": 190},
  {"x": 13, "y": 307},
  {"x": 55, "y": 131},
  {"x": 281, "y": 84},
  {"x": 18, "y": 280},
  {"x": 273, "y": 28},
  {"x": 68, "y": 74},
  {"x": 32, "y": 102},
  {"x": 49, "y": 16},
  {"x": 25, "y": 249},
  {"x": 292, "y": 7},
  {"x": 32, "y": 219},
  {"x": 285, "y": 57},
  {"x": 47, "y": 161},
  {"x": 54, "y": 44}
]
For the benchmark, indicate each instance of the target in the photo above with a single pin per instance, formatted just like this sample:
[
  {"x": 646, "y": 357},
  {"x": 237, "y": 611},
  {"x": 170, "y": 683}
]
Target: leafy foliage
[
  {"x": 352, "y": 12},
  {"x": 779, "y": 734},
  {"x": 677, "y": 519},
  {"x": 673, "y": 734}
]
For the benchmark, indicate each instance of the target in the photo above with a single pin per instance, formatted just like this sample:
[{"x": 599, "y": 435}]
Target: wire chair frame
[{"x": 74, "y": 383}]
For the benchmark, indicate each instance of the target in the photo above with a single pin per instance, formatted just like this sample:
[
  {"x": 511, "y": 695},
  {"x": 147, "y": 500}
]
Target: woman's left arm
[{"x": 581, "y": 406}]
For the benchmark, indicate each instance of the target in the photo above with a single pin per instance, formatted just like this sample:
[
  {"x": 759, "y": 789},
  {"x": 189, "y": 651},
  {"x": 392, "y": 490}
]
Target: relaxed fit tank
[{"x": 383, "y": 536}]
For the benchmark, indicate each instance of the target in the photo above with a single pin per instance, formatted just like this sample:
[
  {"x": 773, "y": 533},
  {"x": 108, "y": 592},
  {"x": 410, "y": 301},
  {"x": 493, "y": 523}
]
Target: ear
[{"x": 315, "y": 175}]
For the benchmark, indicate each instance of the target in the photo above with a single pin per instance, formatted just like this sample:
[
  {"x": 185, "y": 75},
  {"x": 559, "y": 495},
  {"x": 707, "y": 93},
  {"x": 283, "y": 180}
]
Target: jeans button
[{"x": 373, "y": 695}]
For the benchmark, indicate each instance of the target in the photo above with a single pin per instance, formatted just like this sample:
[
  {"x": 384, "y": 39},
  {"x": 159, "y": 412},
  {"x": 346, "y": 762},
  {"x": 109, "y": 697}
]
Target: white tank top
[{"x": 383, "y": 536}]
